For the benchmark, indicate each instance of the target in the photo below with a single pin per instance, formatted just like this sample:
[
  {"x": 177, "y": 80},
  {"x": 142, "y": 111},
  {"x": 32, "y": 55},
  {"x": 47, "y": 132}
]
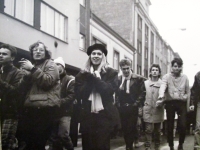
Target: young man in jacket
[
  {"x": 153, "y": 115},
  {"x": 43, "y": 96},
  {"x": 176, "y": 86},
  {"x": 60, "y": 135},
  {"x": 128, "y": 101},
  {"x": 10, "y": 77}
]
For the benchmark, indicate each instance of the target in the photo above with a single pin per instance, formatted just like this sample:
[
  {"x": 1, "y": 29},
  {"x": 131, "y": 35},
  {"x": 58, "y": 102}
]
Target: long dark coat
[{"x": 106, "y": 86}]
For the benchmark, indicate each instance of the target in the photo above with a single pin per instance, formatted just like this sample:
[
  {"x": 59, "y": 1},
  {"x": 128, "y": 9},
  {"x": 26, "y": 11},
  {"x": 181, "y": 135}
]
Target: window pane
[
  {"x": 82, "y": 42},
  {"x": 9, "y": 7},
  {"x": 47, "y": 19},
  {"x": 116, "y": 60}
]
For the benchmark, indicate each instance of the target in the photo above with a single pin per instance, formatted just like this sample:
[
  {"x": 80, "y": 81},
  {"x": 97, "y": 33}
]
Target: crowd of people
[{"x": 38, "y": 101}]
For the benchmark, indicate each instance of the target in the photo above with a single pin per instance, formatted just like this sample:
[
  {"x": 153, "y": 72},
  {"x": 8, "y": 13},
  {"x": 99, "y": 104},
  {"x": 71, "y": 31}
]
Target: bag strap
[{"x": 69, "y": 82}]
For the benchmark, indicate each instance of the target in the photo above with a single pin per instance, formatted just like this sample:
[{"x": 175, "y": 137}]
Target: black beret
[{"x": 97, "y": 47}]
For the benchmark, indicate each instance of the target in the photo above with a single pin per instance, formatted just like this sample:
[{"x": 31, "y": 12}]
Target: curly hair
[
  {"x": 36, "y": 44},
  {"x": 156, "y": 66},
  {"x": 179, "y": 62}
]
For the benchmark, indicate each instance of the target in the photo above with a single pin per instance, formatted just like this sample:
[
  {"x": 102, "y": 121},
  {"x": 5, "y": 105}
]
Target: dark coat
[
  {"x": 9, "y": 91},
  {"x": 106, "y": 86},
  {"x": 67, "y": 94},
  {"x": 195, "y": 90},
  {"x": 135, "y": 90}
]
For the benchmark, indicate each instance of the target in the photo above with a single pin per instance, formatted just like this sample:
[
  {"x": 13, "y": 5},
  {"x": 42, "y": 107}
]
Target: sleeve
[
  {"x": 109, "y": 86},
  {"x": 83, "y": 84},
  {"x": 163, "y": 86},
  {"x": 14, "y": 87},
  {"x": 141, "y": 98},
  {"x": 47, "y": 78},
  {"x": 194, "y": 93},
  {"x": 69, "y": 99}
]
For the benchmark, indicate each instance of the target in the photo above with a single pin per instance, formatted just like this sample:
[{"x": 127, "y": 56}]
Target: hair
[
  {"x": 124, "y": 62},
  {"x": 12, "y": 49},
  {"x": 156, "y": 66},
  {"x": 179, "y": 61},
  {"x": 36, "y": 44}
]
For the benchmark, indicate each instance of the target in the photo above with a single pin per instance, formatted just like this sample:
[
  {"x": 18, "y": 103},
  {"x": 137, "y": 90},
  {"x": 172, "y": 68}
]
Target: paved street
[{"x": 118, "y": 144}]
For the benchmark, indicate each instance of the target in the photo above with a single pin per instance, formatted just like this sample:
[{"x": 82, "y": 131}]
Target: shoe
[
  {"x": 136, "y": 145},
  {"x": 180, "y": 147}
]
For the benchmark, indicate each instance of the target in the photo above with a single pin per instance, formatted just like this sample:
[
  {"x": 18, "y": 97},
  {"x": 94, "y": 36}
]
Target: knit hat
[
  {"x": 97, "y": 47},
  {"x": 60, "y": 60}
]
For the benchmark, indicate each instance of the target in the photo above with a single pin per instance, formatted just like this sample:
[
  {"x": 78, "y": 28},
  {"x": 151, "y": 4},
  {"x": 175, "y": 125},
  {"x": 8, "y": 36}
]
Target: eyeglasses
[{"x": 38, "y": 50}]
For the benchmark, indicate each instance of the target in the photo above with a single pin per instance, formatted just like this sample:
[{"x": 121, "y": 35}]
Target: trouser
[
  {"x": 8, "y": 134},
  {"x": 129, "y": 116},
  {"x": 37, "y": 128},
  {"x": 60, "y": 134},
  {"x": 74, "y": 124},
  {"x": 179, "y": 107},
  {"x": 197, "y": 130},
  {"x": 98, "y": 135},
  {"x": 152, "y": 129}
]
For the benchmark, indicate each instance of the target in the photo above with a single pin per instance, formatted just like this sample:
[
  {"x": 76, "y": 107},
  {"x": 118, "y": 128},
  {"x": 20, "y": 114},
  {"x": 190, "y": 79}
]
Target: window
[
  {"x": 82, "y": 2},
  {"x": 53, "y": 23},
  {"x": 82, "y": 42},
  {"x": 116, "y": 60},
  {"x": 146, "y": 31},
  {"x": 139, "y": 69},
  {"x": 139, "y": 46},
  {"x": 146, "y": 53},
  {"x": 95, "y": 40},
  {"x": 20, "y": 9},
  {"x": 139, "y": 22}
]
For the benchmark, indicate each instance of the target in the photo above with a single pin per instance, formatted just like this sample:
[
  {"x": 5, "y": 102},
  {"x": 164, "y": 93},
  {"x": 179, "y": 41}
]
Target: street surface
[{"x": 118, "y": 144}]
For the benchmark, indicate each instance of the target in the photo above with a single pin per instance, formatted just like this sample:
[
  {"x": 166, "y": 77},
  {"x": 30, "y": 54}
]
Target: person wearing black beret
[{"x": 94, "y": 87}]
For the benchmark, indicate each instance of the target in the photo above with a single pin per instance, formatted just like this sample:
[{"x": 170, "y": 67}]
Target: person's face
[
  {"x": 96, "y": 57},
  {"x": 5, "y": 56},
  {"x": 39, "y": 52},
  {"x": 126, "y": 70},
  {"x": 60, "y": 68},
  {"x": 176, "y": 68},
  {"x": 155, "y": 72}
]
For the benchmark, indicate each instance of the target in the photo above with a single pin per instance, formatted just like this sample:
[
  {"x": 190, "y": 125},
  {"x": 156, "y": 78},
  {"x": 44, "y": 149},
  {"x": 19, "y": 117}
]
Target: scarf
[
  {"x": 95, "y": 97},
  {"x": 127, "y": 83}
]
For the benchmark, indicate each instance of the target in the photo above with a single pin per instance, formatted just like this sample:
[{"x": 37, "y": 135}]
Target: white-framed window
[
  {"x": 20, "y": 9},
  {"x": 53, "y": 22},
  {"x": 139, "y": 47},
  {"x": 82, "y": 2},
  {"x": 139, "y": 22},
  {"x": 116, "y": 60},
  {"x": 146, "y": 53},
  {"x": 139, "y": 70},
  {"x": 82, "y": 42}
]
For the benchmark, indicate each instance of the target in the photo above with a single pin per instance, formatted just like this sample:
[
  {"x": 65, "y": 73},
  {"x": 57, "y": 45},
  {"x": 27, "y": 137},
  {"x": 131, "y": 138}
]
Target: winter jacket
[
  {"x": 151, "y": 113},
  {"x": 135, "y": 84},
  {"x": 195, "y": 90},
  {"x": 9, "y": 91},
  {"x": 43, "y": 82},
  {"x": 67, "y": 94},
  {"x": 85, "y": 82}
]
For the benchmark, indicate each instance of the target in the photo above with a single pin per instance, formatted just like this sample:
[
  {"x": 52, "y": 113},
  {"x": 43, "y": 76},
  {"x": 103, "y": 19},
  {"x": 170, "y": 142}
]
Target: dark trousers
[
  {"x": 37, "y": 128},
  {"x": 179, "y": 107},
  {"x": 129, "y": 116},
  {"x": 98, "y": 135}
]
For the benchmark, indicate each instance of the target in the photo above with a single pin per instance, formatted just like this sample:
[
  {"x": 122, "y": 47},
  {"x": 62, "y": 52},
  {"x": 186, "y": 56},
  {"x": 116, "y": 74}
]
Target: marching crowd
[{"x": 38, "y": 101}]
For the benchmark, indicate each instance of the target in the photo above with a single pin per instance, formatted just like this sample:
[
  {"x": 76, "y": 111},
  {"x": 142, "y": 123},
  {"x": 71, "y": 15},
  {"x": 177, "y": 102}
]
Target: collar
[{"x": 7, "y": 68}]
